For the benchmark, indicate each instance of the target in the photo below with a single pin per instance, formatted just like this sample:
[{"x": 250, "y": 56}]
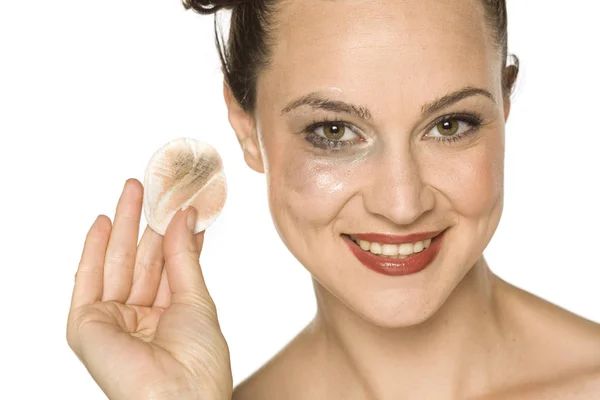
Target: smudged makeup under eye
[{"x": 328, "y": 135}]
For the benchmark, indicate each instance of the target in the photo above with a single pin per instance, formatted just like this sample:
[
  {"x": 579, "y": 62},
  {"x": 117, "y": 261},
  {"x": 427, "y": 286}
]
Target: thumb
[{"x": 181, "y": 249}]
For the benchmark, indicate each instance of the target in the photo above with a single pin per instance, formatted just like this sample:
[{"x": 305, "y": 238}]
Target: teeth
[
  {"x": 376, "y": 248},
  {"x": 418, "y": 247},
  {"x": 405, "y": 249},
  {"x": 393, "y": 250},
  {"x": 389, "y": 249}
]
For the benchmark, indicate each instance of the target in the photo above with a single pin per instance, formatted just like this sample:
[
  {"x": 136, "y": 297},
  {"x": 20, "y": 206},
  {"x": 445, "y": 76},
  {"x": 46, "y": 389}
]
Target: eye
[
  {"x": 454, "y": 127},
  {"x": 333, "y": 131},
  {"x": 448, "y": 128},
  {"x": 329, "y": 134}
]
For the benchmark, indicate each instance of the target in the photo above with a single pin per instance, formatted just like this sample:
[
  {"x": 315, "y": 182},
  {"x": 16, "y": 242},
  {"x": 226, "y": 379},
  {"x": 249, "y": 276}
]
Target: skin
[
  {"x": 141, "y": 319},
  {"x": 455, "y": 323},
  {"x": 145, "y": 327}
]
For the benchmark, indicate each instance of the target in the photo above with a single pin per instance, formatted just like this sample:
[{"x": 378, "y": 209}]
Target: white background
[{"x": 90, "y": 89}]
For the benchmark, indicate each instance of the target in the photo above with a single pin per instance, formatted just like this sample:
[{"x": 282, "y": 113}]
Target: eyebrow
[{"x": 316, "y": 101}]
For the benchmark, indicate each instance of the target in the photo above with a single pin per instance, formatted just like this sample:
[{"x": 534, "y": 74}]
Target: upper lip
[{"x": 385, "y": 238}]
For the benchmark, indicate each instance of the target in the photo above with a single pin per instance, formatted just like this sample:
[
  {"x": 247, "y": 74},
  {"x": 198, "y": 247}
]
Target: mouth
[
  {"x": 395, "y": 255},
  {"x": 394, "y": 246}
]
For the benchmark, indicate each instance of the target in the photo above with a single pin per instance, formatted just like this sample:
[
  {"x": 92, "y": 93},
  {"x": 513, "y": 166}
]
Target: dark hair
[{"x": 247, "y": 51}]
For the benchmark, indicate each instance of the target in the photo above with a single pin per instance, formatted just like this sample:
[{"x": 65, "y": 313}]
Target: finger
[
  {"x": 163, "y": 297},
  {"x": 89, "y": 277},
  {"x": 149, "y": 263},
  {"x": 182, "y": 253},
  {"x": 122, "y": 246}
]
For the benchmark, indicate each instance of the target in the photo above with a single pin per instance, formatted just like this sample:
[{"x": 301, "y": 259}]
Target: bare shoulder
[
  {"x": 262, "y": 384},
  {"x": 558, "y": 332},
  {"x": 559, "y": 349},
  {"x": 285, "y": 375},
  {"x": 583, "y": 385}
]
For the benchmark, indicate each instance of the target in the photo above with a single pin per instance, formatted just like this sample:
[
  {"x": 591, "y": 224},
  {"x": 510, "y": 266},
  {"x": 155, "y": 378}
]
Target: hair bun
[{"x": 210, "y": 6}]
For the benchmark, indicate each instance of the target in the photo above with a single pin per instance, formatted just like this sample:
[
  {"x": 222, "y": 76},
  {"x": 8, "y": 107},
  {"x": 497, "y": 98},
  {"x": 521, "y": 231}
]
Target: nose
[{"x": 397, "y": 191}]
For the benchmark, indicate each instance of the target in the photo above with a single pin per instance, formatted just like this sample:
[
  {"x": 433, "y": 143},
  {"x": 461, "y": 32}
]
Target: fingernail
[{"x": 191, "y": 219}]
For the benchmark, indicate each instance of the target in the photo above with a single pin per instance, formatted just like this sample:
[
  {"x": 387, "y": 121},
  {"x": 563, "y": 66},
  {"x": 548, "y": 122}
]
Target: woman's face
[{"x": 386, "y": 160}]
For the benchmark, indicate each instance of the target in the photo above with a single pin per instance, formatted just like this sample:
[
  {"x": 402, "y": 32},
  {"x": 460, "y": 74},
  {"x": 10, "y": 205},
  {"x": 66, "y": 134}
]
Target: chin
[
  {"x": 396, "y": 302},
  {"x": 398, "y": 311}
]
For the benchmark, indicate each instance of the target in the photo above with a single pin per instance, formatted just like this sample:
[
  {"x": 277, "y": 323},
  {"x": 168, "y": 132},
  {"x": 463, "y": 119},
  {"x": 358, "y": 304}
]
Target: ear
[
  {"x": 509, "y": 78},
  {"x": 244, "y": 127},
  {"x": 507, "y": 104}
]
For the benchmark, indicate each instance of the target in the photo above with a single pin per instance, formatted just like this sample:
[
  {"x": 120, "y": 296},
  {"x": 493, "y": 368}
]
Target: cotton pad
[{"x": 184, "y": 172}]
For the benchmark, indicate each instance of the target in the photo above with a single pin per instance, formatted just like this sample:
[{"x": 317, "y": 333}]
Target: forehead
[{"x": 391, "y": 45}]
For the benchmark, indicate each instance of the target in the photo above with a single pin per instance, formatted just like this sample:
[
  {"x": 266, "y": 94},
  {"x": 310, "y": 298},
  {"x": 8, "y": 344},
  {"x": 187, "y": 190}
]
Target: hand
[{"x": 141, "y": 319}]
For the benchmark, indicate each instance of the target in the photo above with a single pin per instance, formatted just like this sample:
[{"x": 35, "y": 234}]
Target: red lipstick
[{"x": 396, "y": 266}]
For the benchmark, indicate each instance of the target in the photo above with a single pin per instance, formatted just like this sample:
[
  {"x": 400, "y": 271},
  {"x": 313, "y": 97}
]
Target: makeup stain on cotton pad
[{"x": 184, "y": 172}]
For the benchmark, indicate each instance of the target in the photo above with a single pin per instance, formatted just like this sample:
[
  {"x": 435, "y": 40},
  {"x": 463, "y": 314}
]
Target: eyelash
[
  {"x": 324, "y": 143},
  {"x": 473, "y": 119}
]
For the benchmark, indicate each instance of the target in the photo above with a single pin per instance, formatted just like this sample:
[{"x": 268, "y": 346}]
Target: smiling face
[{"x": 384, "y": 118}]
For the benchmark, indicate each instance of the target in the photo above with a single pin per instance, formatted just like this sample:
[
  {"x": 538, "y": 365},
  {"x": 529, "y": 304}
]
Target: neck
[{"x": 454, "y": 351}]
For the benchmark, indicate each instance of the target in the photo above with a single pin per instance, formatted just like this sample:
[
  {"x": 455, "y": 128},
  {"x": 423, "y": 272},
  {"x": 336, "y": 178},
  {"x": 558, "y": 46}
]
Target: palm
[
  {"x": 138, "y": 334},
  {"x": 119, "y": 337}
]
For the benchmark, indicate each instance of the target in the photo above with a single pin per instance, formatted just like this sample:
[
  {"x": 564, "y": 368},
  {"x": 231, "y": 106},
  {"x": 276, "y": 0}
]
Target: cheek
[
  {"x": 303, "y": 192},
  {"x": 305, "y": 198},
  {"x": 314, "y": 190},
  {"x": 473, "y": 179},
  {"x": 308, "y": 191}
]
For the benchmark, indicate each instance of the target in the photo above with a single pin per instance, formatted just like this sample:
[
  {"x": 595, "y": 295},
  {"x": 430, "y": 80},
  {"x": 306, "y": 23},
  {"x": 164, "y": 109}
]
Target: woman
[{"x": 380, "y": 129}]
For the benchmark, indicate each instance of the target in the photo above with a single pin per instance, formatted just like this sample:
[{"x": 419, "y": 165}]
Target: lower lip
[{"x": 396, "y": 266}]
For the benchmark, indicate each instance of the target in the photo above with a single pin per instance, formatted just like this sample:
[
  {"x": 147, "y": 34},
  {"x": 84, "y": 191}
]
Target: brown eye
[
  {"x": 448, "y": 127},
  {"x": 453, "y": 127},
  {"x": 333, "y": 131}
]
